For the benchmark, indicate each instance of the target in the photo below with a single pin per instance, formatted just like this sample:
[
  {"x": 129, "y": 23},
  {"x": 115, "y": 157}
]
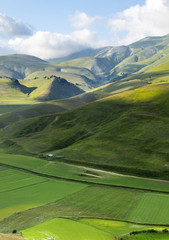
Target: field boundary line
[
  {"x": 30, "y": 185},
  {"x": 81, "y": 181},
  {"x": 115, "y": 219}
]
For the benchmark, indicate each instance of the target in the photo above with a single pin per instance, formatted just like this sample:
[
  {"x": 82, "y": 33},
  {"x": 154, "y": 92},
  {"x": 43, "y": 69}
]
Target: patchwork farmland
[{"x": 105, "y": 205}]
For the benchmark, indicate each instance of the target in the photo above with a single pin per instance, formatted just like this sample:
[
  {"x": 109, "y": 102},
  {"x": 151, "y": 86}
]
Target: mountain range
[{"x": 106, "y": 107}]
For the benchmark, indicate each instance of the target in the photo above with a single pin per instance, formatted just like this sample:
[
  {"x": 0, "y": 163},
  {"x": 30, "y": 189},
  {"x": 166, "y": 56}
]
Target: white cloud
[
  {"x": 134, "y": 23},
  {"x": 46, "y": 44},
  {"x": 12, "y": 27},
  {"x": 81, "y": 20},
  {"x": 51, "y": 45}
]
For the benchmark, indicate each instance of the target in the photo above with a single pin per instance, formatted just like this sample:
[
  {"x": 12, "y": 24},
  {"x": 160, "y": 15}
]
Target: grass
[
  {"x": 120, "y": 86},
  {"x": 9, "y": 108},
  {"x": 103, "y": 202},
  {"x": 20, "y": 65},
  {"x": 85, "y": 62},
  {"x": 94, "y": 202},
  {"x": 117, "y": 227},
  {"x": 154, "y": 93},
  {"x": 13, "y": 93},
  {"x": 21, "y": 161},
  {"x": 80, "y": 173},
  {"x": 127, "y": 133},
  {"x": 152, "y": 208},
  {"x": 14, "y": 179},
  {"x": 76, "y": 172},
  {"x": 51, "y": 88},
  {"x": 160, "y": 68},
  {"x": 80, "y": 77},
  {"x": 35, "y": 195},
  {"x": 64, "y": 229}
]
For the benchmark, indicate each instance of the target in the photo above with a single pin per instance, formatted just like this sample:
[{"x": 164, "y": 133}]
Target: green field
[
  {"x": 104, "y": 177},
  {"x": 117, "y": 227},
  {"x": 59, "y": 228},
  {"x": 21, "y": 161},
  {"x": 14, "y": 179},
  {"x": 109, "y": 176},
  {"x": 152, "y": 208},
  {"x": 9, "y": 108},
  {"x": 64, "y": 229},
  {"x": 80, "y": 173},
  {"x": 36, "y": 195},
  {"x": 93, "y": 201},
  {"x": 98, "y": 133}
]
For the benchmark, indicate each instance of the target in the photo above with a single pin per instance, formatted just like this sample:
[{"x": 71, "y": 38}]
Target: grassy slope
[
  {"x": 125, "y": 130},
  {"x": 79, "y": 173},
  {"x": 82, "y": 77},
  {"x": 121, "y": 62},
  {"x": 160, "y": 68},
  {"x": 83, "y": 80},
  {"x": 27, "y": 111},
  {"x": 12, "y": 92},
  {"x": 21, "y": 161},
  {"x": 18, "y": 65},
  {"x": 54, "y": 88},
  {"x": 135, "y": 102},
  {"x": 99, "y": 176},
  {"x": 86, "y": 62}
]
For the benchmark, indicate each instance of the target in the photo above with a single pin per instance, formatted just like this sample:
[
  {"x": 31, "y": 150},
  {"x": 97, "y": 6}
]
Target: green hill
[
  {"x": 12, "y": 91},
  {"x": 18, "y": 66},
  {"x": 81, "y": 78},
  {"x": 54, "y": 88},
  {"x": 89, "y": 157},
  {"x": 88, "y": 69},
  {"x": 125, "y": 132},
  {"x": 114, "y": 63}
]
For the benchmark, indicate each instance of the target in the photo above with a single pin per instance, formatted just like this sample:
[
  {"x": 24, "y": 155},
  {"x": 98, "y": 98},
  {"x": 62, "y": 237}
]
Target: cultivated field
[
  {"x": 117, "y": 227},
  {"x": 20, "y": 191},
  {"x": 152, "y": 208},
  {"x": 65, "y": 229}
]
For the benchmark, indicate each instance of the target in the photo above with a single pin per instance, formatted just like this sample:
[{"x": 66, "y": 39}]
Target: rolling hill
[
  {"x": 53, "y": 88},
  {"x": 125, "y": 130},
  {"x": 86, "y": 70},
  {"x": 18, "y": 66},
  {"x": 79, "y": 160},
  {"x": 12, "y": 91},
  {"x": 114, "y": 63}
]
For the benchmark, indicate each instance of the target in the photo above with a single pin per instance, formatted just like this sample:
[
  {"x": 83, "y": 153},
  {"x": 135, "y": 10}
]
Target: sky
[{"x": 53, "y": 29}]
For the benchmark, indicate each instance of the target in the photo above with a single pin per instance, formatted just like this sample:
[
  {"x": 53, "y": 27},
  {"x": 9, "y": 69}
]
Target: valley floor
[{"x": 43, "y": 199}]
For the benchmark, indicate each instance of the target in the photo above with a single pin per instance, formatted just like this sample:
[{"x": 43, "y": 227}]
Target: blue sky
[
  {"x": 53, "y": 15},
  {"x": 53, "y": 28}
]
